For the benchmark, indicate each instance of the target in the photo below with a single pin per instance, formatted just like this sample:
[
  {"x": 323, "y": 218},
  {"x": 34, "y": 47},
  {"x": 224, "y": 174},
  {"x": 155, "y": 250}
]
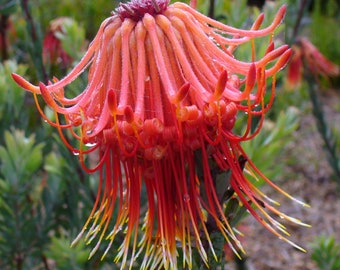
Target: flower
[
  {"x": 53, "y": 52},
  {"x": 163, "y": 94},
  {"x": 305, "y": 53}
]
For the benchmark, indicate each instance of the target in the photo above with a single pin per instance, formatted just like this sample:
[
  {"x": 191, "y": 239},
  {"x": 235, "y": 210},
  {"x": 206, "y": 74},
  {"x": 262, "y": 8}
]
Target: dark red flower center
[{"x": 136, "y": 9}]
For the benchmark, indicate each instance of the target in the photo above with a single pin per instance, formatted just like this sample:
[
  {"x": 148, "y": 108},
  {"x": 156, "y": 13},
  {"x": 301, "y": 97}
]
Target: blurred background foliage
[{"x": 45, "y": 196}]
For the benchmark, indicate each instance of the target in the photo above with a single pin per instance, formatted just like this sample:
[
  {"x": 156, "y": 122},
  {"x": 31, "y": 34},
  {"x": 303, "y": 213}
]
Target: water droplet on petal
[{"x": 90, "y": 144}]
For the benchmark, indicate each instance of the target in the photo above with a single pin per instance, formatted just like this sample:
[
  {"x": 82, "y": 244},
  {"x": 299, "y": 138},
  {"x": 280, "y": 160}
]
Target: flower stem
[
  {"x": 3, "y": 32},
  {"x": 300, "y": 13},
  {"x": 211, "y": 12},
  {"x": 325, "y": 131}
]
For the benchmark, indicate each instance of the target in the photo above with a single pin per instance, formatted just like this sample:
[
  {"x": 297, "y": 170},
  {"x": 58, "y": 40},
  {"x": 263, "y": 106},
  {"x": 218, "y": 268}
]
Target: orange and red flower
[
  {"x": 305, "y": 54},
  {"x": 53, "y": 52},
  {"x": 164, "y": 91}
]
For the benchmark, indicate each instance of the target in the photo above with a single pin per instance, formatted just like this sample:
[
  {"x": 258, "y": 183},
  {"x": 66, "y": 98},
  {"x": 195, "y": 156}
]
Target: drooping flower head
[
  {"x": 164, "y": 91},
  {"x": 305, "y": 53}
]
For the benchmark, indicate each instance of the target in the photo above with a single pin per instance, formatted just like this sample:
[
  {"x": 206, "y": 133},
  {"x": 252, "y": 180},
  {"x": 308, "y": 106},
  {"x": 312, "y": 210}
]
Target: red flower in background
[
  {"x": 164, "y": 91},
  {"x": 305, "y": 53},
  {"x": 53, "y": 52}
]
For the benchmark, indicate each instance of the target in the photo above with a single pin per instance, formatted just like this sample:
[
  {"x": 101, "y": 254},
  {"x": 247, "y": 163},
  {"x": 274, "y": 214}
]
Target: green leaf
[
  {"x": 268, "y": 146},
  {"x": 326, "y": 253},
  {"x": 8, "y": 7},
  {"x": 11, "y": 95},
  {"x": 65, "y": 256},
  {"x": 20, "y": 157}
]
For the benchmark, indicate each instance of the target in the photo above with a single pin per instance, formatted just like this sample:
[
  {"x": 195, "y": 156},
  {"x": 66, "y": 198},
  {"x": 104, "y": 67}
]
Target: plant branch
[
  {"x": 211, "y": 12},
  {"x": 3, "y": 33},
  {"x": 303, "y": 6},
  {"x": 35, "y": 42},
  {"x": 323, "y": 127}
]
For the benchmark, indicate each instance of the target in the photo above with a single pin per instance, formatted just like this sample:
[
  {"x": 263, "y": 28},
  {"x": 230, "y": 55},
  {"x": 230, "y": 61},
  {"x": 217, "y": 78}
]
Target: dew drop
[{"x": 90, "y": 144}]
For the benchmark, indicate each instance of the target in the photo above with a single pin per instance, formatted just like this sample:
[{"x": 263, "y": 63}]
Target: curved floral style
[{"x": 163, "y": 94}]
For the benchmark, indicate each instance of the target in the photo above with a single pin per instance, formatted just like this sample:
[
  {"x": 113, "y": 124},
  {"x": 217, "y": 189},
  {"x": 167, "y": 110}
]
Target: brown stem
[
  {"x": 44, "y": 259},
  {"x": 19, "y": 262},
  {"x": 303, "y": 5},
  {"x": 211, "y": 12},
  {"x": 19, "y": 257},
  {"x": 29, "y": 19},
  {"x": 3, "y": 36}
]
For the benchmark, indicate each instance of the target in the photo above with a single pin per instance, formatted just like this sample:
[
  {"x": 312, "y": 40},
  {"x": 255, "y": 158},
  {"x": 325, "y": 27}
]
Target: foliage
[
  {"x": 331, "y": 137},
  {"x": 326, "y": 253},
  {"x": 20, "y": 199},
  {"x": 326, "y": 16},
  {"x": 65, "y": 256},
  {"x": 41, "y": 187},
  {"x": 268, "y": 146},
  {"x": 90, "y": 13},
  {"x": 313, "y": 21},
  {"x": 11, "y": 96}
]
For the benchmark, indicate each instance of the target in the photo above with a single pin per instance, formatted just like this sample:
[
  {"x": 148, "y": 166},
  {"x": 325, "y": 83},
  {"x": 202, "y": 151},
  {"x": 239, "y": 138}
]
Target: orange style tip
[
  {"x": 55, "y": 79},
  {"x": 270, "y": 47},
  {"x": 25, "y": 84},
  {"x": 42, "y": 87},
  {"x": 283, "y": 60},
  {"x": 281, "y": 12},
  {"x": 221, "y": 84},
  {"x": 251, "y": 77},
  {"x": 278, "y": 52},
  {"x": 285, "y": 57},
  {"x": 112, "y": 101},
  {"x": 182, "y": 92},
  {"x": 129, "y": 114},
  {"x": 258, "y": 22}
]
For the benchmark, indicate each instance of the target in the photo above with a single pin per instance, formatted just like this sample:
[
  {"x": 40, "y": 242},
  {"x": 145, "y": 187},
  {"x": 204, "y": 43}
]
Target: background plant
[{"x": 326, "y": 253}]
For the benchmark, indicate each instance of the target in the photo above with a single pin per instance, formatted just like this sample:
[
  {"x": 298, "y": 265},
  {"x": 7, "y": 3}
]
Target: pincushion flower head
[{"x": 163, "y": 94}]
